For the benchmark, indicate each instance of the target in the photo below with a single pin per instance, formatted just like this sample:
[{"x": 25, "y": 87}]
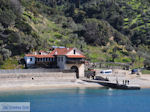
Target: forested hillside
[{"x": 105, "y": 30}]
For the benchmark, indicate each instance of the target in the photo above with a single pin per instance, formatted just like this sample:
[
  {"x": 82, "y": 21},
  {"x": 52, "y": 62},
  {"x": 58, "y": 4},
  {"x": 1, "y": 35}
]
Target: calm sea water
[{"x": 82, "y": 100}]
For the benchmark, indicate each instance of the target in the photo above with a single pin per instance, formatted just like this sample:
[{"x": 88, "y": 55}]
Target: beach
[
  {"x": 47, "y": 82},
  {"x": 39, "y": 85},
  {"x": 141, "y": 80}
]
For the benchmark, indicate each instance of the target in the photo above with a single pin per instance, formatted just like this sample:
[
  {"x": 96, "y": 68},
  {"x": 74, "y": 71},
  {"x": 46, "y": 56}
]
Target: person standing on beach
[
  {"x": 123, "y": 82},
  {"x": 128, "y": 82},
  {"x": 116, "y": 81}
]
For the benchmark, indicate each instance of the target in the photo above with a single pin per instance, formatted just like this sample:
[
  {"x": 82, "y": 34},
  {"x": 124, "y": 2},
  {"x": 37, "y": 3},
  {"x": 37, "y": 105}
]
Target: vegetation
[
  {"x": 145, "y": 71},
  {"x": 105, "y": 30}
]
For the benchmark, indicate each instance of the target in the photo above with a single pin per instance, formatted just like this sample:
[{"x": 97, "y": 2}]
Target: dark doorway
[{"x": 75, "y": 68}]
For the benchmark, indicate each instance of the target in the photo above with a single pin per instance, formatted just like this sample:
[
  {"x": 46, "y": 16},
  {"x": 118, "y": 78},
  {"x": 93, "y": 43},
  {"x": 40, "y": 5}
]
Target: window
[
  {"x": 61, "y": 58},
  {"x": 43, "y": 59},
  {"x": 30, "y": 59},
  {"x": 74, "y": 51},
  {"x": 46, "y": 59}
]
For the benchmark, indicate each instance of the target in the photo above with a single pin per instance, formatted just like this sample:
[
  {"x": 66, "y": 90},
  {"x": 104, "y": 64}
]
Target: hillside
[{"x": 105, "y": 30}]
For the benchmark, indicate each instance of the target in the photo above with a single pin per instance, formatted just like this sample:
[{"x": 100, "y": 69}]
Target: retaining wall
[{"x": 15, "y": 79}]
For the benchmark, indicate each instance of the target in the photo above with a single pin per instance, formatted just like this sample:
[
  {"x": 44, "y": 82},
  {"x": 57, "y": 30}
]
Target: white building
[{"x": 62, "y": 58}]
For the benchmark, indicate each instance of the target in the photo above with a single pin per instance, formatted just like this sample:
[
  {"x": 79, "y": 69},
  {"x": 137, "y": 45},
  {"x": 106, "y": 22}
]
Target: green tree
[
  {"x": 147, "y": 64},
  {"x": 6, "y": 53},
  {"x": 133, "y": 58},
  {"x": 25, "y": 27},
  {"x": 114, "y": 56},
  {"x": 7, "y": 17}
]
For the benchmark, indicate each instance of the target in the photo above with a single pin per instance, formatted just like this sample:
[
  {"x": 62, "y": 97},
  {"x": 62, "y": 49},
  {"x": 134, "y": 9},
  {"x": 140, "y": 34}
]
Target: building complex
[{"x": 61, "y": 58}]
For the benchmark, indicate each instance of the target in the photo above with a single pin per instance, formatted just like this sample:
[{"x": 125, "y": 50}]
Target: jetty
[{"x": 113, "y": 85}]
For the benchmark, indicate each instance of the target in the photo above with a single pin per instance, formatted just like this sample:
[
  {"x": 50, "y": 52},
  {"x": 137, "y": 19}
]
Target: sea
[{"x": 81, "y": 100}]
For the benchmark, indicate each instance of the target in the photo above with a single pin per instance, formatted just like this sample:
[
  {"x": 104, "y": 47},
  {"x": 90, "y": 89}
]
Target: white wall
[
  {"x": 61, "y": 63},
  {"x": 72, "y": 52},
  {"x": 28, "y": 60}
]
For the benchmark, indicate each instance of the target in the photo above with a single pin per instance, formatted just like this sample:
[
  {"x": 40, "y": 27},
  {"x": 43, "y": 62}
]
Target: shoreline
[
  {"x": 13, "y": 85},
  {"x": 55, "y": 86}
]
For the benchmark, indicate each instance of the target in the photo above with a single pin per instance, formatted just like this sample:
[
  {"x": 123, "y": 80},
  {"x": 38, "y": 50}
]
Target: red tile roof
[
  {"x": 75, "y": 56},
  {"x": 58, "y": 51},
  {"x": 61, "y": 51},
  {"x": 44, "y": 56},
  {"x": 39, "y": 56}
]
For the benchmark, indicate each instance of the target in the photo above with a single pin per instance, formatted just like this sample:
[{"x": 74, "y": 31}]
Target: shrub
[
  {"x": 147, "y": 64},
  {"x": 25, "y": 27},
  {"x": 129, "y": 48},
  {"x": 7, "y": 17},
  {"x": 114, "y": 56},
  {"x": 6, "y": 53}
]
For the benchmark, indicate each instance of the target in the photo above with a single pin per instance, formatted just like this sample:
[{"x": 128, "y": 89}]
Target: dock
[{"x": 114, "y": 85}]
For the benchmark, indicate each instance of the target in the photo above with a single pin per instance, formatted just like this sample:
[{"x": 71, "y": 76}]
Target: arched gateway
[{"x": 75, "y": 68}]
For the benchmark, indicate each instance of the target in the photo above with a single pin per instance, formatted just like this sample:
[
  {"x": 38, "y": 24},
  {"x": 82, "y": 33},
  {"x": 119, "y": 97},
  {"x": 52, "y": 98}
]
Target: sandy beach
[
  {"x": 50, "y": 85},
  {"x": 143, "y": 81}
]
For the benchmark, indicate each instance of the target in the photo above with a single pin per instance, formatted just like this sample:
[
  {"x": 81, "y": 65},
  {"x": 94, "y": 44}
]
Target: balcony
[{"x": 75, "y": 62}]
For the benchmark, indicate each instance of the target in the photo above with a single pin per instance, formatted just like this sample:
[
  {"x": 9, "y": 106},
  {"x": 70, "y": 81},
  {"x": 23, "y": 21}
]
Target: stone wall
[
  {"x": 33, "y": 79},
  {"x": 115, "y": 72},
  {"x": 80, "y": 67},
  {"x": 26, "y": 76}
]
